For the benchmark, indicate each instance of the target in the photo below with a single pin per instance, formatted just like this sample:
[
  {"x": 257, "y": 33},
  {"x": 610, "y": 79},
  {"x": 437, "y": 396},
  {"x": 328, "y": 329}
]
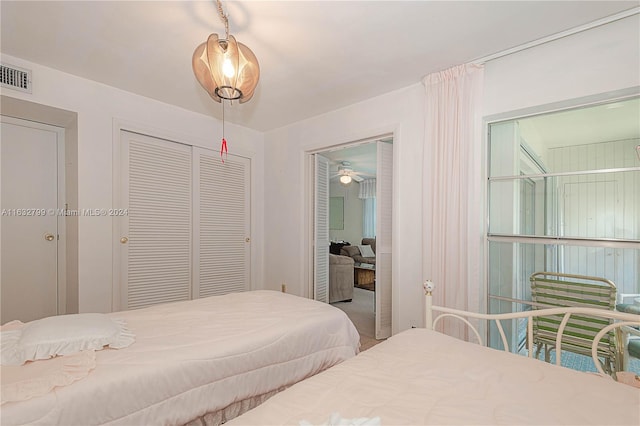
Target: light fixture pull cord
[
  {"x": 224, "y": 18},
  {"x": 223, "y": 148}
]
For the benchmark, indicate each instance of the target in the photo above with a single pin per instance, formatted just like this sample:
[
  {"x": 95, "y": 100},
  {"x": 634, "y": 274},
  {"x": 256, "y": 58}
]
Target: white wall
[
  {"x": 353, "y": 205},
  {"x": 603, "y": 59},
  {"x": 600, "y": 60},
  {"x": 98, "y": 107}
]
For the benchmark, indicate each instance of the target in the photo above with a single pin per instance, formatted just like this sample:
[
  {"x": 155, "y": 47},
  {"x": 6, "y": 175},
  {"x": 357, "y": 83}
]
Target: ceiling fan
[{"x": 346, "y": 173}]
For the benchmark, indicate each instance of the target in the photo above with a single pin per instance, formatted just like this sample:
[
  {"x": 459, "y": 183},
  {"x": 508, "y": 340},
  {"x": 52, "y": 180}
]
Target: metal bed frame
[{"x": 620, "y": 320}]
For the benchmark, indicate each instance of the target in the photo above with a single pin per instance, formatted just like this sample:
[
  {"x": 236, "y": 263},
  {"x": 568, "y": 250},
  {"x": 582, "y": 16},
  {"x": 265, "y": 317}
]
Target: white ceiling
[
  {"x": 361, "y": 156},
  {"x": 315, "y": 56}
]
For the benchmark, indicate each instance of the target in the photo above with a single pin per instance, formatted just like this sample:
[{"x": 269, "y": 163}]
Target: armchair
[
  {"x": 552, "y": 289},
  {"x": 340, "y": 278}
]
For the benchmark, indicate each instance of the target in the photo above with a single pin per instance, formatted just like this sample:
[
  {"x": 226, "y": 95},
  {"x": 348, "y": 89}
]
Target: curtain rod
[{"x": 557, "y": 36}]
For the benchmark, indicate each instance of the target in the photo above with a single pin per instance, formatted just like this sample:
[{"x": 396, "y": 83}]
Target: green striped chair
[{"x": 550, "y": 290}]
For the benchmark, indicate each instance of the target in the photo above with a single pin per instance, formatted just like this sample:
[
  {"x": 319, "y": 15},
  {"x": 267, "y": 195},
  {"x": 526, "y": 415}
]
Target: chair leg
[
  {"x": 547, "y": 353},
  {"x": 620, "y": 362},
  {"x": 538, "y": 348}
]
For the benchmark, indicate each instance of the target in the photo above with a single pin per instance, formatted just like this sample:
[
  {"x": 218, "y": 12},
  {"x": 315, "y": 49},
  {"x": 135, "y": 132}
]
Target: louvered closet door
[
  {"x": 384, "y": 232},
  {"x": 321, "y": 230},
  {"x": 222, "y": 239},
  {"x": 155, "y": 240}
]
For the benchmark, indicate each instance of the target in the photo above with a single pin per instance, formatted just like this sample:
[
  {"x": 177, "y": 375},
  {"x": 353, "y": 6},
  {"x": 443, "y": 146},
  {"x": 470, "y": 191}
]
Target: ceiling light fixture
[
  {"x": 226, "y": 69},
  {"x": 345, "y": 179}
]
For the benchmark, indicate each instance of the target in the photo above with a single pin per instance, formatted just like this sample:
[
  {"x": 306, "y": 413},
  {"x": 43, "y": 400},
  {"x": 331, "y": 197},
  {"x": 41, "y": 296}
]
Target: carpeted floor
[{"x": 361, "y": 312}]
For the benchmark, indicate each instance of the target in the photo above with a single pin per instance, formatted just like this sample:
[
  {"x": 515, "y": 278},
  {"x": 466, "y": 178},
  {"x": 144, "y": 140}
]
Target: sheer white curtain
[
  {"x": 368, "y": 195},
  {"x": 453, "y": 219}
]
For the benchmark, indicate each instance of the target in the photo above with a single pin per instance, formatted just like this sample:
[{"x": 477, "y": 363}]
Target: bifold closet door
[
  {"x": 321, "y": 230},
  {"x": 155, "y": 234},
  {"x": 384, "y": 233},
  {"x": 221, "y": 223}
]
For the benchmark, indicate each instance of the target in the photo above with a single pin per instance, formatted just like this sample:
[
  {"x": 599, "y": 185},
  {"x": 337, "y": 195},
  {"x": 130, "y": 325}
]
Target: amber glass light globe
[{"x": 226, "y": 69}]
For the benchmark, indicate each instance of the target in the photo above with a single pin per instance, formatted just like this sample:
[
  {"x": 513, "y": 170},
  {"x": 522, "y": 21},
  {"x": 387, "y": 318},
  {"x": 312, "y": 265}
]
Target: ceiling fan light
[
  {"x": 226, "y": 69},
  {"x": 345, "y": 179}
]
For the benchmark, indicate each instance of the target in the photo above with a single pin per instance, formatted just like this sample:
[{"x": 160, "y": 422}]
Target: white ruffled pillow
[
  {"x": 63, "y": 335},
  {"x": 366, "y": 251}
]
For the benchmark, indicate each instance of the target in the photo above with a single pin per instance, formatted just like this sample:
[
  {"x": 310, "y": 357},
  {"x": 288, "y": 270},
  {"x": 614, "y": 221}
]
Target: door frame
[
  {"x": 309, "y": 211},
  {"x": 61, "y": 240}
]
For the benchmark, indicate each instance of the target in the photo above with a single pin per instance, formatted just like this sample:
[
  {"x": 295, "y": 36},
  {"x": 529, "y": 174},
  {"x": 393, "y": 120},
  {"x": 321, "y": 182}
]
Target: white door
[
  {"x": 221, "y": 223},
  {"x": 154, "y": 238},
  {"x": 29, "y": 226},
  {"x": 591, "y": 209},
  {"x": 321, "y": 230},
  {"x": 384, "y": 219}
]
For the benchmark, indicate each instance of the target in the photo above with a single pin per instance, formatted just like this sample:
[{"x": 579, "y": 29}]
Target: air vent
[{"x": 15, "y": 78}]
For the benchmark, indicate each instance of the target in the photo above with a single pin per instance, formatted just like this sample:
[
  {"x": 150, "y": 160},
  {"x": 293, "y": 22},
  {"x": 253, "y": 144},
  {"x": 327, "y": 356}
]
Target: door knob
[
  {"x": 49, "y": 237},
  {"x": 124, "y": 240}
]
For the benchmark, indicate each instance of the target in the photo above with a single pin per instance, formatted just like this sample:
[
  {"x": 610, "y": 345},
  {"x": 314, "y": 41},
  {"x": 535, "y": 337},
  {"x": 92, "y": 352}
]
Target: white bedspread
[
  {"x": 424, "y": 377},
  {"x": 195, "y": 357}
]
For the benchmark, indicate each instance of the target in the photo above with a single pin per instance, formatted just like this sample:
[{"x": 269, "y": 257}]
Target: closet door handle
[
  {"x": 49, "y": 237},
  {"x": 124, "y": 240}
]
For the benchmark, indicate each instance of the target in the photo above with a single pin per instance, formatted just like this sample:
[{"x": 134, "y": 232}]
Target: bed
[
  {"x": 198, "y": 362},
  {"x": 421, "y": 376}
]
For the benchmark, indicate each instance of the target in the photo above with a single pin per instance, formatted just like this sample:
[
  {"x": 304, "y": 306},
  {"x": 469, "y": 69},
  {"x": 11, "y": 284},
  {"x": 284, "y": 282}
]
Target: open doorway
[{"x": 352, "y": 233}]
